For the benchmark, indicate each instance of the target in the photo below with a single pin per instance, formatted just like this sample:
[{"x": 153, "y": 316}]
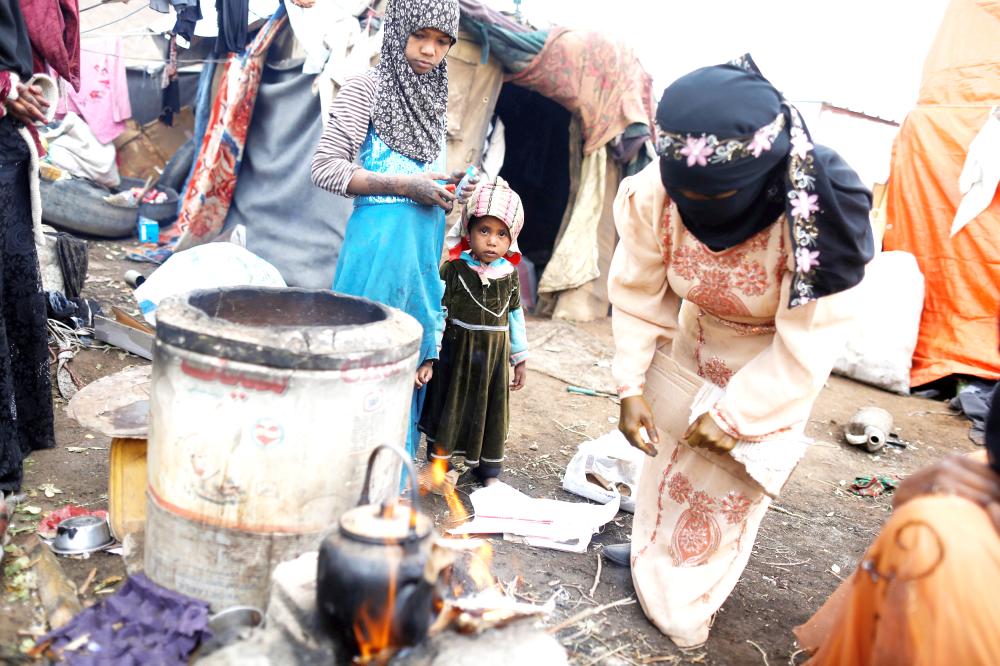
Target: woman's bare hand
[
  {"x": 425, "y": 189},
  {"x": 30, "y": 105},
  {"x": 705, "y": 433},
  {"x": 635, "y": 415},
  {"x": 961, "y": 476}
]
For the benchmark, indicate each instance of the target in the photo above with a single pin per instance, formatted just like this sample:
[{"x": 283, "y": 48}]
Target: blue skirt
[{"x": 392, "y": 254}]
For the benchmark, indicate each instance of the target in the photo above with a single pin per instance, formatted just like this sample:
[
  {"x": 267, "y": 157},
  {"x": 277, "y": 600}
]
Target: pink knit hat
[{"x": 497, "y": 200}]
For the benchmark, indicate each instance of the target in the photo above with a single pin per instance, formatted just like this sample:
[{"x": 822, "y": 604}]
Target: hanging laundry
[
  {"x": 187, "y": 17},
  {"x": 233, "y": 18},
  {"x": 163, "y": 6},
  {"x": 171, "y": 85},
  {"x": 54, "y": 27},
  {"x": 102, "y": 100}
]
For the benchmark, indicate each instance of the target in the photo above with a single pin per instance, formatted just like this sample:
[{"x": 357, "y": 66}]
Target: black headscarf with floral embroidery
[
  {"x": 729, "y": 137},
  {"x": 410, "y": 109}
]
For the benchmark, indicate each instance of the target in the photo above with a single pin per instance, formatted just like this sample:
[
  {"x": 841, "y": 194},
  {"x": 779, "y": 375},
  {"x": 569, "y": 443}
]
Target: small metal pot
[
  {"x": 228, "y": 626},
  {"x": 371, "y": 585},
  {"x": 82, "y": 534}
]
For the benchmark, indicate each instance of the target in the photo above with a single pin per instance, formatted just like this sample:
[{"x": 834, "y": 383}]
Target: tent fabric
[
  {"x": 513, "y": 44},
  {"x": 597, "y": 77},
  {"x": 961, "y": 82},
  {"x": 275, "y": 186},
  {"x": 589, "y": 301},
  {"x": 574, "y": 261},
  {"x": 473, "y": 89},
  {"x": 210, "y": 190}
]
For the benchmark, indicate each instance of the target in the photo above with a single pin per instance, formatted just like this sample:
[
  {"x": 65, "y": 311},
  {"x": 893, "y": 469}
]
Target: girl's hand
[
  {"x": 424, "y": 189},
  {"x": 468, "y": 190},
  {"x": 520, "y": 374},
  {"x": 705, "y": 433},
  {"x": 635, "y": 414},
  {"x": 30, "y": 105},
  {"x": 424, "y": 374},
  {"x": 955, "y": 475}
]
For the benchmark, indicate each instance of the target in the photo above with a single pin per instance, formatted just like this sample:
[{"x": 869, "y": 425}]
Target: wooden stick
[
  {"x": 607, "y": 654},
  {"x": 597, "y": 576},
  {"x": 583, "y": 615},
  {"x": 784, "y": 564},
  {"x": 762, "y": 653},
  {"x": 785, "y": 511},
  {"x": 88, "y": 581},
  {"x": 55, "y": 590}
]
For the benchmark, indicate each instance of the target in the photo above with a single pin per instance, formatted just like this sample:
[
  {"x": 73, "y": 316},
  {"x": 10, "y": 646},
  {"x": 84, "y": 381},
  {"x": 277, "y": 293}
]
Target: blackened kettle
[{"x": 371, "y": 584}]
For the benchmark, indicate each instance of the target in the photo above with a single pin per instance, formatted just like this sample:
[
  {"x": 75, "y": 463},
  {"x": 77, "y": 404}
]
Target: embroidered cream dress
[{"x": 724, "y": 316}]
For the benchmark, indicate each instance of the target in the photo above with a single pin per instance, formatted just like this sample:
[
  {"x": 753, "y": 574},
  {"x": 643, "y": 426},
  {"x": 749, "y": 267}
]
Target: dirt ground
[{"x": 808, "y": 543}]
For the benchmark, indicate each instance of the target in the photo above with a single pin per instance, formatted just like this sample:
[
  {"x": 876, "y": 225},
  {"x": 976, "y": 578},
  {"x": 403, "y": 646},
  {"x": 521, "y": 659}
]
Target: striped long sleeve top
[{"x": 333, "y": 164}]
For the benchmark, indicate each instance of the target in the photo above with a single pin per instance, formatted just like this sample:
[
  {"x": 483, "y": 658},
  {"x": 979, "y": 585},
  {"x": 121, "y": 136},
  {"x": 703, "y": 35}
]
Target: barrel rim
[{"x": 181, "y": 324}]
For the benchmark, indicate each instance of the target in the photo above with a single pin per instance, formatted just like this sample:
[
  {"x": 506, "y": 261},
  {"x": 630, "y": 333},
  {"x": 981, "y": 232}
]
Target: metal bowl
[
  {"x": 229, "y": 625},
  {"x": 82, "y": 534}
]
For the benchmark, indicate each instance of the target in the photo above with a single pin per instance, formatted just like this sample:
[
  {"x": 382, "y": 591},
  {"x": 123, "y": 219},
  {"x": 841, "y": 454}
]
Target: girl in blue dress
[{"x": 384, "y": 143}]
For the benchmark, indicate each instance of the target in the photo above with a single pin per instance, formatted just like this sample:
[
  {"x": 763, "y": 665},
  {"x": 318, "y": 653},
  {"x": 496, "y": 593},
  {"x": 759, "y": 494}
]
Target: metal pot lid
[{"x": 369, "y": 523}]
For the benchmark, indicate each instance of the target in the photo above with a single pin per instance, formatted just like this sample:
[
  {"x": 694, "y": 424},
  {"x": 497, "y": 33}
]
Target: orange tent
[{"x": 961, "y": 83}]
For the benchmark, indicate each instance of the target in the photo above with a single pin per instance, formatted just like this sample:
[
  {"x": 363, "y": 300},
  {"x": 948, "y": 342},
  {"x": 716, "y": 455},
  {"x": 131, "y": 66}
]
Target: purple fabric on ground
[{"x": 140, "y": 624}]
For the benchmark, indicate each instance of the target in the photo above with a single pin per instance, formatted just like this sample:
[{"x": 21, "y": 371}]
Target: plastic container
[
  {"x": 149, "y": 230},
  {"x": 265, "y": 405},
  {"x": 470, "y": 173}
]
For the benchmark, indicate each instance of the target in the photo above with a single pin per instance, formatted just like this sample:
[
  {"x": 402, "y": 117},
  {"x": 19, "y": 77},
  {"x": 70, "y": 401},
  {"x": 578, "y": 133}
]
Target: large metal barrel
[{"x": 265, "y": 406}]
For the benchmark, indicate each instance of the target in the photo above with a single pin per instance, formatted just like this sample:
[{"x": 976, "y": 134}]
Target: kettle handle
[{"x": 411, "y": 472}]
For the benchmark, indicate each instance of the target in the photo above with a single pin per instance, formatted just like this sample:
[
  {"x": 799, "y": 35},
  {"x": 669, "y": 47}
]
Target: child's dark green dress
[{"x": 467, "y": 412}]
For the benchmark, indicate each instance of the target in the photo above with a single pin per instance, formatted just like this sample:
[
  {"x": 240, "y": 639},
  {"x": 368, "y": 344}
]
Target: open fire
[
  {"x": 478, "y": 570},
  {"x": 468, "y": 597}
]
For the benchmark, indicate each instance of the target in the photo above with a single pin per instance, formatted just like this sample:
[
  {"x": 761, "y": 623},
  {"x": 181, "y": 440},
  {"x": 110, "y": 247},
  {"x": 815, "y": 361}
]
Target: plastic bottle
[{"x": 470, "y": 173}]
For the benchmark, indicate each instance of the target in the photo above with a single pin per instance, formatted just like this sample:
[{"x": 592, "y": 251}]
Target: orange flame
[
  {"x": 373, "y": 624},
  {"x": 479, "y": 566}
]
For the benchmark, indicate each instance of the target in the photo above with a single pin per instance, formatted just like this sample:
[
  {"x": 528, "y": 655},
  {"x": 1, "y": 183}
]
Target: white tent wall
[{"x": 865, "y": 142}]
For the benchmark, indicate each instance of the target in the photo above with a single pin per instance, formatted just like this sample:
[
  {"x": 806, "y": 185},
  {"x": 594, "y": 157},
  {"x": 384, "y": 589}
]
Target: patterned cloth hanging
[{"x": 213, "y": 182}]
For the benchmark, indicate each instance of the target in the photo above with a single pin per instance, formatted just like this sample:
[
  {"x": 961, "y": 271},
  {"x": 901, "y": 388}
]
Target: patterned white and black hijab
[{"x": 410, "y": 110}]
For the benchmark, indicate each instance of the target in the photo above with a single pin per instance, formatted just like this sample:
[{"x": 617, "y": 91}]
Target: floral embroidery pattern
[
  {"x": 721, "y": 279},
  {"x": 659, "y": 506},
  {"x": 804, "y": 206},
  {"x": 716, "y": 371},
  {"x": 697, "y": 534},
  {"x": 750, "y": 278},
  {"x": 697, "y": 151},
  {"x": 735, "y": 507},
  {"x": 679, "y": 488},
  {"x": 705, "y": 149}
]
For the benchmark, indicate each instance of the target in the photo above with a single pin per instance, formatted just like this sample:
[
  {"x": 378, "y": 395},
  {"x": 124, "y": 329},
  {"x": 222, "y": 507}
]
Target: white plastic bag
[
  {"x": 880, "y": 352},
  {"x": 205, "y": 267},
  {"x": 604, "y": 468}
]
